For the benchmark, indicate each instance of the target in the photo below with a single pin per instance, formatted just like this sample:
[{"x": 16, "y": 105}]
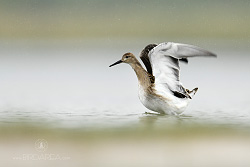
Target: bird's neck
[{"x": 142, "y": 74}]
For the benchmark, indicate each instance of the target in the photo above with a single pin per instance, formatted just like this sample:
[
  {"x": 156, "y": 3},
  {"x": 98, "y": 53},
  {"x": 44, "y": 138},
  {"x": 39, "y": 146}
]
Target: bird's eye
[{"x": 127, "y": 57}]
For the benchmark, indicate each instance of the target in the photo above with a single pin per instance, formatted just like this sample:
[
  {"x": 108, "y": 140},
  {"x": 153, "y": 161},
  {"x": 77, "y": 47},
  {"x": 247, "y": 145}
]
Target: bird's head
[{"x": 128, "y": 58}]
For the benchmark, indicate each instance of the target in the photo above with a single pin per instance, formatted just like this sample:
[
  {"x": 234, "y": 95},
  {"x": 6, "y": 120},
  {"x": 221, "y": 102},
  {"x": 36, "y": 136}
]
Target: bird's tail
[{"x": 192, "y": 92}]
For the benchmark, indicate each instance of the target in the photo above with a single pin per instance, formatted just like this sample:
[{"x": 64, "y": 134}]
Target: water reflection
[
  {"x": 234, "y": 120},
  {"x": 155, "y": 120}
]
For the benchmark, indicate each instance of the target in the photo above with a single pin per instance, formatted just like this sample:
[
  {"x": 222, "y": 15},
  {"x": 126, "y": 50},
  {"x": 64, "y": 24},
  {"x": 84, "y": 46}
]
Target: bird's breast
[
  {"x": 151, "y": 101},
  {"x": 158, "y": 103}
]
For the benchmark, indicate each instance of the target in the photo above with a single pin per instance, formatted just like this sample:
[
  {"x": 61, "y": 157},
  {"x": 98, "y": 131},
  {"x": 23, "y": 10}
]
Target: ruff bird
[{"x": 160, "y": 89}]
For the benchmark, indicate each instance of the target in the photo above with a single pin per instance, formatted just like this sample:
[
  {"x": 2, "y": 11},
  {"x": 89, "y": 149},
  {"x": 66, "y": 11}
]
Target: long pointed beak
[{"x": 118, "y": 62}]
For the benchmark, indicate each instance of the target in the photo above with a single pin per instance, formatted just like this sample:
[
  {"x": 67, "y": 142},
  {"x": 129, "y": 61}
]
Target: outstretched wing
[
  {"x": 145, "y": 59},
  {"x": 179, "y": 50},
  {"x": 164, "y": 59}
]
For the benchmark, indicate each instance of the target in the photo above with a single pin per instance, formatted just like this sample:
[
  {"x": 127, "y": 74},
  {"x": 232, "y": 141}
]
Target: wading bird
[{"x": 160, "y": 89}]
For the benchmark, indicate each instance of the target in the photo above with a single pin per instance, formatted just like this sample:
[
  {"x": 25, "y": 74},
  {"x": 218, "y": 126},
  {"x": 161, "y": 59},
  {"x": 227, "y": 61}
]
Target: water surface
[{"x": 69, "y": 84}]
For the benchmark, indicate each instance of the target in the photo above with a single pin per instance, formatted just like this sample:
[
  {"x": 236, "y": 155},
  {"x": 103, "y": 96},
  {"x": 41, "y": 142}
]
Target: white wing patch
[{"x": 164, "y": 59}]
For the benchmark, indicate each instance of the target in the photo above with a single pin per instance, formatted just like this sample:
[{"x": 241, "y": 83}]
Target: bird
[{"x": 159, "y": 86}]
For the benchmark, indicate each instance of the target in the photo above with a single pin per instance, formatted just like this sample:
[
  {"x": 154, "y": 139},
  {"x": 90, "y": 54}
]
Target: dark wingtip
[{"x": 211, "y": 54}]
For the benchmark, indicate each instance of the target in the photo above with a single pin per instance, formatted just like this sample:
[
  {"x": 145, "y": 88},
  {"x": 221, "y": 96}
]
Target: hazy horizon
[{"x": 123, "y": 19}]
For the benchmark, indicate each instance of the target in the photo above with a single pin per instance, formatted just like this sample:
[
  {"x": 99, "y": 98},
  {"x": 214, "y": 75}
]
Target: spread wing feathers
[
  {"x": 145, "y": 59},
  {"x": 179, "y": 50},
  {"x": 164, "y": 59},
  {"x": 166, "y": 71}
]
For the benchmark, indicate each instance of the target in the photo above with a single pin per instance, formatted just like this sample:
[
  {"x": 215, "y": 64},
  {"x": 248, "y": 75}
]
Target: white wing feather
[
  {"x": 179, "y": 50},
  {"x": 164, "y": 59}
]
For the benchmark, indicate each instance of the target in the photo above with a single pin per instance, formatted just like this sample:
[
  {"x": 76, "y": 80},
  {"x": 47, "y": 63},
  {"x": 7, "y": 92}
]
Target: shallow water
[
  {"x": 68, "y": 84},
  {"x": 64, "y": 93}
]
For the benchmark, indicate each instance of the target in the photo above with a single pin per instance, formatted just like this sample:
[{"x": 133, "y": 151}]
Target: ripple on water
[{"x": 111, "y": 118}]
